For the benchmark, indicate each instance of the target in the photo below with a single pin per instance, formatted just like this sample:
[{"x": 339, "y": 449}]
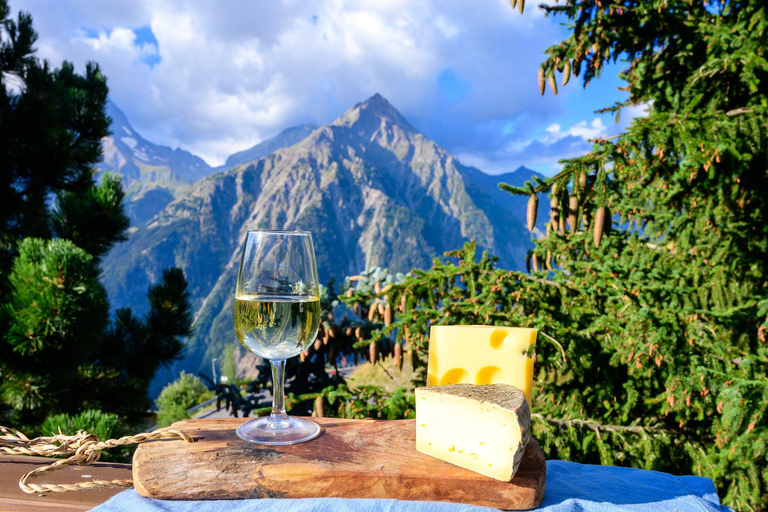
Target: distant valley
[{"x": 368, "y": 185}]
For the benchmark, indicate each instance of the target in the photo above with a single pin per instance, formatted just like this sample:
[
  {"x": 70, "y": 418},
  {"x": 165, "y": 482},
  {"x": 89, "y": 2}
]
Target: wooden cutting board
[{"x": 350, "y": 459}]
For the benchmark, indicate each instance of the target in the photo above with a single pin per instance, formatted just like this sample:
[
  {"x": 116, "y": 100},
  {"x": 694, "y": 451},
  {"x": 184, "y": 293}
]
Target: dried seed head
[
  {"x": 541, "y": 81},
  {"x": 399, "y": 355},
  {"x": 533, "y": 208},
  {"x": 373, "y": 352},
  {"x": 388, "y": 315}
]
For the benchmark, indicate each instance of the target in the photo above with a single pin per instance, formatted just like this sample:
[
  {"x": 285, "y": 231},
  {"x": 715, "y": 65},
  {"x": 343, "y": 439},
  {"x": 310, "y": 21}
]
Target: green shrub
[
  {"x": 105, "y": 425},
  {"x": 178, "y": 396}
]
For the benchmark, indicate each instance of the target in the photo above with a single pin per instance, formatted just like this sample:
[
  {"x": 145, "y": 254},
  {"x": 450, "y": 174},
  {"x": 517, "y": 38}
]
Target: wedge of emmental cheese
[
  {"x": 481, "y": 428},
  {"x": 482, "y": 354}
]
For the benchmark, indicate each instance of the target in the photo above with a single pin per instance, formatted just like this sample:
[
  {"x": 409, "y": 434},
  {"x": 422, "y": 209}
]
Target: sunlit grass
[{"x": 383, "y": 374}]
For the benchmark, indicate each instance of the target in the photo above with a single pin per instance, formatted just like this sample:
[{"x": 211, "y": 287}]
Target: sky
[{"x": 217, "y": 77}]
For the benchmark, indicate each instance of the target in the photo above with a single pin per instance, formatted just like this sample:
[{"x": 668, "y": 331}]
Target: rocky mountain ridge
[{"x": 368, "y": 186}]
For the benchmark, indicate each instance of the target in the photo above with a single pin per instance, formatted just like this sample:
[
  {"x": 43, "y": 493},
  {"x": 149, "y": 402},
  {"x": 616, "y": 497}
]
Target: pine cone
[
  {"x": 399, "y": 355},
  {"x": 552, "y": 83},
  {"x": 597, "y": 234},
  {"x": 533, "y": 209},
  {"x": 573, "y": 208}
]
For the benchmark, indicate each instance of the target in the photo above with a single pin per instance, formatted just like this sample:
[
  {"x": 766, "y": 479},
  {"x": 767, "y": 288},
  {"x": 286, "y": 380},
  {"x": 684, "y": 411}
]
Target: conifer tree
[
  {"x": 59, "y": 352},
  {"x": 649, "y": 290}
]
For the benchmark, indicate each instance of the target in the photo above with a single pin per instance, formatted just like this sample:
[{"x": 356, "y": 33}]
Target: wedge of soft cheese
[
  {"x": 481, "y": 428},
  {"x": 468, "y": 354}
]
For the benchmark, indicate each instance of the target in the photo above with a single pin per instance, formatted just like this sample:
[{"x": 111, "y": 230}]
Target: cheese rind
[
  {"x": 481, "y": 428},
  {"x": 480, "y": 354}
]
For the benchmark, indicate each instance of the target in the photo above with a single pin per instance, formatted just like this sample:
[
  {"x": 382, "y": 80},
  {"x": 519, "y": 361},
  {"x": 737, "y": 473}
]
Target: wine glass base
[{"x": 285, "y": 430}]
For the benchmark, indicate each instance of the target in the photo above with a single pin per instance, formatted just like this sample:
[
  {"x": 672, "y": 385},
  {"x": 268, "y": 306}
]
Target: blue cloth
[{"x": 570, "y": 487}]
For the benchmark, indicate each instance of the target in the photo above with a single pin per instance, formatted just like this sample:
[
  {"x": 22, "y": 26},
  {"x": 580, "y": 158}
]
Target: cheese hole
[
  {"x": 499, "y": 339},
  {"x": 456, "y": 376},
  {"x": 490, "y": 375}
]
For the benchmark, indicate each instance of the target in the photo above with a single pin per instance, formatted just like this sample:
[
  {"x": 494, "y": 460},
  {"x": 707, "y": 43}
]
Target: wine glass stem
[{"x": 278, "y": 391}]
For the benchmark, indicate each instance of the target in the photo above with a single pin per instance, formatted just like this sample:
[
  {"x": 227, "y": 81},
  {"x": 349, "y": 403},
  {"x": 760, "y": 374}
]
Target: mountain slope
[
  {"x": 153, "y": 175},
  {"x": 284, "y": 139},
  {"x": 367, "y": 177},
  {"x": 514, "y": 204}
]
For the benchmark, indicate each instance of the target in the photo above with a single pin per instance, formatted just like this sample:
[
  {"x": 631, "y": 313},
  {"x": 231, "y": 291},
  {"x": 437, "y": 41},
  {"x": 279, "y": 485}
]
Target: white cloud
[
  {"x": 585, "y": 130},
  {"x": 633, "y": 111},
  {"x": 227, "y": 75}
]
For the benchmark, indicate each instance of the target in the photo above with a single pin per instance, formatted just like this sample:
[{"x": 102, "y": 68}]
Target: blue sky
[{"x": 218, "y": 77}]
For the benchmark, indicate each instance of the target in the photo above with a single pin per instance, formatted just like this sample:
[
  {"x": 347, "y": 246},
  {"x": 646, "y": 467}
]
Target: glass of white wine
[{"x": 277, "y": 315}]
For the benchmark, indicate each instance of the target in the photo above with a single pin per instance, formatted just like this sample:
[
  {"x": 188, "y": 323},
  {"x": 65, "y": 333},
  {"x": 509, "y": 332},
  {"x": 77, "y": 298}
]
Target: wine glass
[{"x": 277, "y": 314}]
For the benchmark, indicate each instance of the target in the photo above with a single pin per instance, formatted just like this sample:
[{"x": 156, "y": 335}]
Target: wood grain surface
[
  {"x": 12, "y": 467},
  {"x": 350, "y": 459}
]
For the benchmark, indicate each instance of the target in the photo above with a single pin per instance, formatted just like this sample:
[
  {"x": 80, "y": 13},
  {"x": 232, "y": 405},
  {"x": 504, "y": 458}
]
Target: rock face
[
  {"x": 369, "y": 185},
  {"x": 153, "y": 175},
  {"x": 287, "y": 137}
]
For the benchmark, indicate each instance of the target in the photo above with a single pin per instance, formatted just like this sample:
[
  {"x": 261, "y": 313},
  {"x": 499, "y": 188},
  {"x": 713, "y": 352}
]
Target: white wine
[{"x": 276, "y": 326}]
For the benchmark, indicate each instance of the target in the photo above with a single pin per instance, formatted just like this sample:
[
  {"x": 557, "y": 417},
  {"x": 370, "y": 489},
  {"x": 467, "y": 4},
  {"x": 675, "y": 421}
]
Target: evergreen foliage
[
  {"x": 51, "y": 125},
  {"x": 55, "y": 314},
  {"x": 105, "y": 425},
  {"x": 649, "y": 290},
  {"x": 93, "y": 220},
  {"x": 59, "y": 351}
]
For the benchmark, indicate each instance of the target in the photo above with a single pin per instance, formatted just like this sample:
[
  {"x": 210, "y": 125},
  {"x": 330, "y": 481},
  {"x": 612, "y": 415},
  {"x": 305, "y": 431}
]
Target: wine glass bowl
[{"x": 277, "y": 315}]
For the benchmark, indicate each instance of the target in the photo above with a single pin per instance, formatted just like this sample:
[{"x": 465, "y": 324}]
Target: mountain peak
[
  {"x": 369, "y": 114},
  {"x": 119, "y": 121},
  {"x": 378, "y": 103}
]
